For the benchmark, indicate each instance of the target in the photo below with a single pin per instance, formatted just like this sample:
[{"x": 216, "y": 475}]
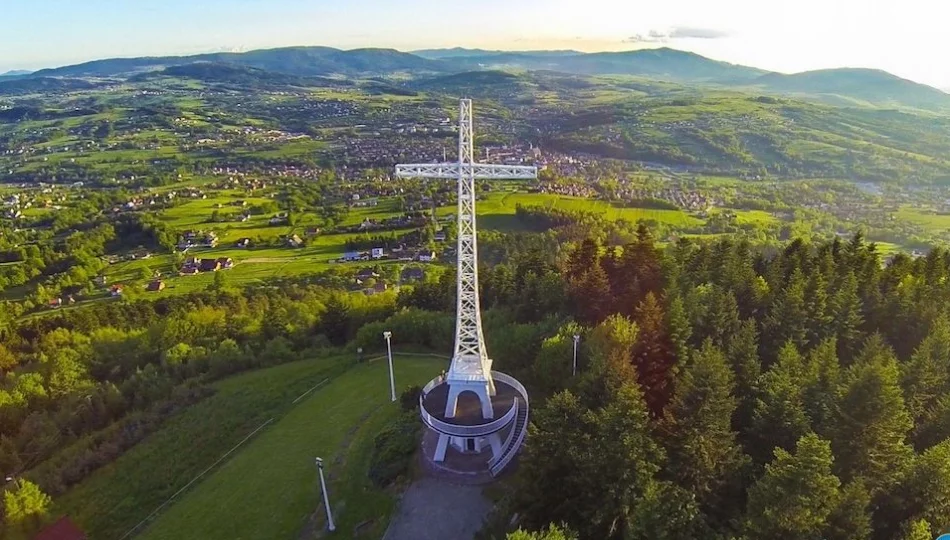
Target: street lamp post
[
  {"x": 389, "y": 350},
  {"x": 326, "y": 496},
  {"x": 577, "y": 338}
]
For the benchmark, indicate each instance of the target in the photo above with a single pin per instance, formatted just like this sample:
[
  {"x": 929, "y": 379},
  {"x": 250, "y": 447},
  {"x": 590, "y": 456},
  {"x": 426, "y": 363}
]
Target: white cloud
[{"x": 677, "y": 33}]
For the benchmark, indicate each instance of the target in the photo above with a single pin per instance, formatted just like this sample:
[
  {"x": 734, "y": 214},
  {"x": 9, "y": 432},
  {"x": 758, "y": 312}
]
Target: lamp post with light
[
  {"x": 577, "y": 338},
  {"x": 326, "y": 496},
  {"x": 389, "y": 350}
]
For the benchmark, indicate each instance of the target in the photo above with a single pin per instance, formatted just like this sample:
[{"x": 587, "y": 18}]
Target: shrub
[
  {"x": 393, "y": 449},
  {"x": 410, "y": 397}
]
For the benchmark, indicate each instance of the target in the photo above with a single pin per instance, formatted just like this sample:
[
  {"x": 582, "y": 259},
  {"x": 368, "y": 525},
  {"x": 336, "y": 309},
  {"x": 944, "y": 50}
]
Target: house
[
  {"x": 155, "y": 285},
  {"x": 211, "y": 240},
  {"x": 226, "y": 263},
  {"x": 63, "y": 529},
  {"x": 294, "y": 241},
  {"x": 380, "y": 286},
  {"x": 100, "y": 281},
  {"x": 377, "y": 253},
  {"x": 313, "y": 231},
  {"x": 426, "y": 256},
  {"x": 55, "y": 302},
  {"x": 279, "y": 219},
  {"x": 209, "y": 265},
  {"x": 192, "y": 261},
  {"x": 440, "y": 236},
  {"x": 115, "y": 290},
  {"x": 366, "y": 273},
  {"x": 351, "y": 256},
  {"x": 243, "y": 243},
  {"x": 188, "y": 270},
  {"x": 413, "y": 274}
]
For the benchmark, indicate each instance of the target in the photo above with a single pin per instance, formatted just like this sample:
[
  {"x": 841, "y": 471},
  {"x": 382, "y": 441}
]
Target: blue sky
[{"x": 906, "y": 37}]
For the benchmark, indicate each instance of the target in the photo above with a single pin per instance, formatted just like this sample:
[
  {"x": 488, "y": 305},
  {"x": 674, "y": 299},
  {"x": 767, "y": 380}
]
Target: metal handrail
[
  {"x": 511, "y": 435},
  {"x": 510, "y": 381},
  {"x": 431, "y": 384},
  {"x": 510, "y": 453},
  {"x": 457, "y": 430}
]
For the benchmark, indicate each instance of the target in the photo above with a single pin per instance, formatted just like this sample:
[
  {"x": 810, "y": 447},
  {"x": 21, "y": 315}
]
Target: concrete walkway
[{"x": 435, "y": 509}]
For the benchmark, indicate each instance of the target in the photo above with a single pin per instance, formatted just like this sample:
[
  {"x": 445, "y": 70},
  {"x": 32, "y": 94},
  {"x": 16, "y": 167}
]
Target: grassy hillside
[
  {"x": 868, "y": 85},
  {"x": 270, "y": 488},
  {"x": 115, "y": 498},
  {"x": 747, "y": 134}
]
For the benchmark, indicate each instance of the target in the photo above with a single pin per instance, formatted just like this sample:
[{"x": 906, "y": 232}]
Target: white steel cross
[{"x": 470, "y": 362}]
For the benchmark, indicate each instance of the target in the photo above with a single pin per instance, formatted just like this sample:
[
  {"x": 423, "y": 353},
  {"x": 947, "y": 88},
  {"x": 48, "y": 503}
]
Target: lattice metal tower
[{"x": 470, "y": 369}]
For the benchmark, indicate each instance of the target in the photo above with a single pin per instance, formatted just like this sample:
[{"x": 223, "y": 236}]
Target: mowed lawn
[{"x": 270, "y": 488}]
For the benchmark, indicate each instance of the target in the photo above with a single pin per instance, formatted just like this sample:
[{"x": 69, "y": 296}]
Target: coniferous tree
[
  {"x": 779, "y": 418},
  {"x": 591, "y": 295},
  {"x": 704, "y": 457},
  {"x": 588, "y": 468},
  {"x": 847, "y": 317},
  {"x": 719, "y": 316},
  {"x": 610, "y": 346},
  {"x": 926, "y": 490},
  {"x": 787, "y": 318},
  {"x": 850, "y": 520},
  {"x": 667, "y": 512},
  {"x": 582, "y": 259},
  {"x": 871, "y": 423},
  {"x": 818, "y": 312},
  {"x": 335, "y": 322},
  {"x": 822, "y": 377},
  {"x": 795, "y": 497},
  {"x": 742, "y": 352},
  {"x": 925, "y": 378},
  {"x": 679, "y": 328},
  {"x": 653, "y": 354}
]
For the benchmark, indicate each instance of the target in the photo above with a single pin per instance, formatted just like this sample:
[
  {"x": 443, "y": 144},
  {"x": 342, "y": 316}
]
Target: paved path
[{"x": 435, "y": 509}]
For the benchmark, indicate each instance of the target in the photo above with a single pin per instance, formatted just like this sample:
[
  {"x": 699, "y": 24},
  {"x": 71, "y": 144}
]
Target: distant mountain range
[
  {"x": 15, "y": 73},
  {"x": 846, "y": 86}
]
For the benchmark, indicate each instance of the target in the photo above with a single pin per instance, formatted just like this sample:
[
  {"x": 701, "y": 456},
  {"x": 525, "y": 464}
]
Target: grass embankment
[
  {"x": 269, "y": 488},
  {"x": 115, "y": 498}
]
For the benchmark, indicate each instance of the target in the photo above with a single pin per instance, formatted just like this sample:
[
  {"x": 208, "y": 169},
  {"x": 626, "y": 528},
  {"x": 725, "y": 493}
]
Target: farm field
[
  {"x": 251, "y": 265},
  {"x": 269, "y": 488},
  {"x": 928, "y": 220}
]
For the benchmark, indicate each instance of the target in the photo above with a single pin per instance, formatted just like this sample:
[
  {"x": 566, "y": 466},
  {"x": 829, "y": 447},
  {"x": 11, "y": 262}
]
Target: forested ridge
[{"x": 723, "y": 391}]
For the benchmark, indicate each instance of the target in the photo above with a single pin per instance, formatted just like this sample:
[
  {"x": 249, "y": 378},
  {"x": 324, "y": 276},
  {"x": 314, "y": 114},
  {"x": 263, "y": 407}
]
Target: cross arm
[{"x": 480, "y": 170}]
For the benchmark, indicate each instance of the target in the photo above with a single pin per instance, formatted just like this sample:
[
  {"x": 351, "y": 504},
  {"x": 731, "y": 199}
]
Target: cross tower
[{"x": 471, "y": 368}]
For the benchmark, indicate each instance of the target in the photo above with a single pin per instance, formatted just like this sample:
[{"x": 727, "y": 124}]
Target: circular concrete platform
[{"x": 468, "y": 411}]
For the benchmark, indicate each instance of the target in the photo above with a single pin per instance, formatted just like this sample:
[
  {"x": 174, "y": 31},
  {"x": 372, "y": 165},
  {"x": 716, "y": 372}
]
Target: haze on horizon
[{"x": 905, "y": 38}]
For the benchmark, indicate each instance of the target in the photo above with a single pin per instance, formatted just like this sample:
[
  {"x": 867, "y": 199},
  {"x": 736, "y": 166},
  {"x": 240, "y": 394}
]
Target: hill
[
  {"x": 756, "y": 135},
  {"x": 15, "y": 73},
  {"x": 664, "y": 63},
  {"x": 291, "y": 60},
  {"x": 216, "y": 72},
  {"x": 32, "y": 85},
  {"x": 460, "y": 52},
  {"x": 870, "y": 85}
]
